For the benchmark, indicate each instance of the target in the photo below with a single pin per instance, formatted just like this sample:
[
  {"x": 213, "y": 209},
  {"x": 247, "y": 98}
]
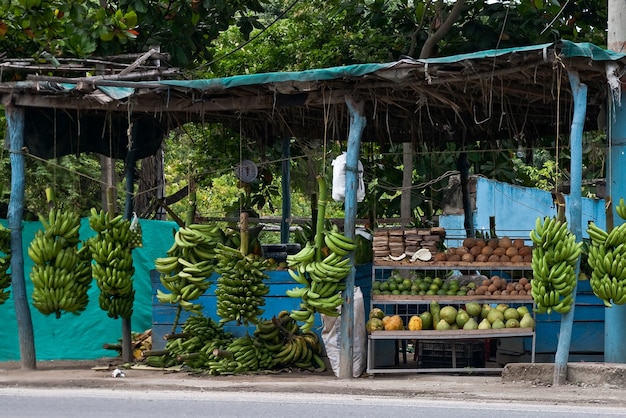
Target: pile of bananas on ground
[
  {"x": 240, "y": 287},
  {"x": 113, "y": 263},
  {"x": 276, "y": 343},
  {"x": 322, "y": 279},
  {"x": 5, "y": 263},
  {"x": 289, "y": 345},
  {"x": 194, "y": 346},
  {"x": 607, "y": 260},
  {"x": 554, "y": 258},
  {"x": 61, "y": 273},
  {"x": 190, "y": 262}
]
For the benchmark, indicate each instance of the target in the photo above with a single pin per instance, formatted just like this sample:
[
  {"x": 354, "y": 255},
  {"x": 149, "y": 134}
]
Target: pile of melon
[
  {"x": 471, "y": 316},
  {"x": 494, "y": 250}
]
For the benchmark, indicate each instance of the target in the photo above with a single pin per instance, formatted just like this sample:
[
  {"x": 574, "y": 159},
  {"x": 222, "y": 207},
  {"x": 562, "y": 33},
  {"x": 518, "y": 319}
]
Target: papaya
[{"x": 415, "y": 323}]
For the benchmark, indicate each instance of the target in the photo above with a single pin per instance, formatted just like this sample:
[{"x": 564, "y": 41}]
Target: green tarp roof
[{"x": 567, "y": 49}]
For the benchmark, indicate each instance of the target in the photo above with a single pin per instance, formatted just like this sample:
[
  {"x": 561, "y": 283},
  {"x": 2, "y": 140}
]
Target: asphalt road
[{"x": 105, "y": 403}]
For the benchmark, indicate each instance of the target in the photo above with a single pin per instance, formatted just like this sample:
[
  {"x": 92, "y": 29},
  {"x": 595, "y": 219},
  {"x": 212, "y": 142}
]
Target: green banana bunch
[
  {"x": 240, "y": 288},
  {"x": 113, "y": 263},
  {"x": 554, "y": 258},
  {"x": 242, "y": 355},
  {"x": 5, "y": 263},
  {"x": 195, "y": 345},
  {"x": 188, "y": 266},
  {"x": 321, "y": 281},
  {"x": 607, "y": 260},
  {"x": 288, "y": 345},
  {"x": 61, "y": 273},
  {"x": 621, "y": 209}
]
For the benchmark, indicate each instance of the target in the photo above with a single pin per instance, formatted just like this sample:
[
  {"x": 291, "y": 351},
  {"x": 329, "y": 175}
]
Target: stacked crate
[{"x": 395, "y": 242}]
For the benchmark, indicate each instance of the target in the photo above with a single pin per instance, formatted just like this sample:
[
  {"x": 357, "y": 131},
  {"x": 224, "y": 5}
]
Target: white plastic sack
[
  {"x": 331, "y": 336},
  {"x": 339, "y": 180}
]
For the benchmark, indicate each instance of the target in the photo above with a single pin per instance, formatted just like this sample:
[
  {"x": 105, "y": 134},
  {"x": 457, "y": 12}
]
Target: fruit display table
[
  {"x": 452, "y": 337},
  {"x": 420, "y": 284}
]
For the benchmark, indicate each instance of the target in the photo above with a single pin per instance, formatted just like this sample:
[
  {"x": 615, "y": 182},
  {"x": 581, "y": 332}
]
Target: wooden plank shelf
[
  {"x": 450, "y": 265},
  {"x": 452, "y": 299},
  {"x": 453, "y": 334}
]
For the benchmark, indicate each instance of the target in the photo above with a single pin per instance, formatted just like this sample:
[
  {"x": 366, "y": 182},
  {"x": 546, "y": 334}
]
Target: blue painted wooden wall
[
  {"x": 515, "y": 209},
  {"x": 275, "y": 301}
]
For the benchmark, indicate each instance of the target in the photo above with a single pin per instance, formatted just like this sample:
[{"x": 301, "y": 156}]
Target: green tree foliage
[{"x": 45, "y": 29}]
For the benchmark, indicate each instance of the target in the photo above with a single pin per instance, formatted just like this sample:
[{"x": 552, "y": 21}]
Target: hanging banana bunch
[
  {"x": 113, "y": 263},
  {"x": 5, "y": 263},
  {"x": 61, "y": 277},
  {"x": 240, "y": 287},
  {"x": 321, "y": 278},
  {"x": 190, "y": 262},
  {"x": 607, "y": 260},
  {"x": 554, "y": 258}
]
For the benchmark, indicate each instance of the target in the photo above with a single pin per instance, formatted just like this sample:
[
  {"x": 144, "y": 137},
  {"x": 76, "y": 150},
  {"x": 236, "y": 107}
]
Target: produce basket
[{"x": 441, "y": 354}]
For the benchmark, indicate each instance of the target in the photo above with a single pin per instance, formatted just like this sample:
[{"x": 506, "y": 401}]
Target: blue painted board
[{"x": 275, "y": 301}]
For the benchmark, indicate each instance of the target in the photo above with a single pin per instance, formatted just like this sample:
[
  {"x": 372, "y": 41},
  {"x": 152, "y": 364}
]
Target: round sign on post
[{"x": 246, "y": 171}]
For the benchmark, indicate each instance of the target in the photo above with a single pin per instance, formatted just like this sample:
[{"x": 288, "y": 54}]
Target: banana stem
[
  {"x": 191, "y": 209},
  {"x": 179, "y": 309},
  {"x": 321, "y": 217},
  {"x": 244, "y": 234}
]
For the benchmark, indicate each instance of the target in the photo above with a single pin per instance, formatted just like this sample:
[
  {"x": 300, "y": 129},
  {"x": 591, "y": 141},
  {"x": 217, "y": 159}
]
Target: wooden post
[
  {"x": 286, "y": 191},
  {"x": 579, "y": 92},
  {"x": 406, "y": 211},
  {"x": 357, "y": 125},
  {"x": 15, "y": 121},
  {"x": 131, "y": 159},
  {"x": 463, "y": 167}
]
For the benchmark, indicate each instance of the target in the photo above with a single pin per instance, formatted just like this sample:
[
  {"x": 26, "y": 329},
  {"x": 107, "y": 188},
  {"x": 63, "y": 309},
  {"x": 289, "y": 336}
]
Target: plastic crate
[{"x": 439, "y": 354}]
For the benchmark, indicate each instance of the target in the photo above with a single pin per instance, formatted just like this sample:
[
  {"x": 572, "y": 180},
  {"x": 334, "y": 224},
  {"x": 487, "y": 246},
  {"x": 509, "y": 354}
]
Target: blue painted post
[
  {"x": 579, "y": 93},
  {"x": 15, "y": 123},
  {"x": 357, "y": 124},
  {"x": 286, "y": 191},
  {"x": 615, "y": 317},
  {"x": 131, "y": 161}
]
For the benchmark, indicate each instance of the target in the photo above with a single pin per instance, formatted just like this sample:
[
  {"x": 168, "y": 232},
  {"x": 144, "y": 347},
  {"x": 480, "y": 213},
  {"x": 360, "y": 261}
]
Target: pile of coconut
[{"x": 494, "y": 250}]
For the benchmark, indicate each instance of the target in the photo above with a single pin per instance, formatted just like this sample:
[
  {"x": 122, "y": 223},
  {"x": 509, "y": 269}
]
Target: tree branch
[{"x": 430, "y": 43}]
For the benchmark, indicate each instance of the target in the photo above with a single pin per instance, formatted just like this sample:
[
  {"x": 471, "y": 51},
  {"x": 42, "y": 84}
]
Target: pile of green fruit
[
  {"x": 476, "y": 316},
  {"x": 418, "y": 284},
  {"x": 471, "y": 316}
]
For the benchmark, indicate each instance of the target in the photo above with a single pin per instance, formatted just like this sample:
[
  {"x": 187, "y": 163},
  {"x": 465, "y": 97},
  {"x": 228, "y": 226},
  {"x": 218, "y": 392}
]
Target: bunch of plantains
[
  {"x": 112, "y": 265},
  {"x": 607, "y": 260},
  {"x": 190, "y": 262},
  {"x": 554, "y": 258},
  {"x": 240, "y": 287},
  {"x": 322, "y": 278},
  {"x": 61, "y": 273}
]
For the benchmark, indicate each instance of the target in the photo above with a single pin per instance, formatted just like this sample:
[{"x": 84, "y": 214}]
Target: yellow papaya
[{"x": 415, "y": 323}]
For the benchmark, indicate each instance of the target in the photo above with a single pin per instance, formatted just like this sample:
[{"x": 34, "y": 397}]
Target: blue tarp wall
[{"x": 80, "y": 337}]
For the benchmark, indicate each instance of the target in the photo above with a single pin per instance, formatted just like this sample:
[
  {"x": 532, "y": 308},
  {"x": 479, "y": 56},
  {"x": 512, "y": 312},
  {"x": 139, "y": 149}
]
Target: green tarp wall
[{"x": 80, "y": 337}]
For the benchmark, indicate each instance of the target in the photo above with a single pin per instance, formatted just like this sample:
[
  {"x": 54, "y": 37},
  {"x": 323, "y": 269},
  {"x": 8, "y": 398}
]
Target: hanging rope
[{"x": 558, "y": 66}]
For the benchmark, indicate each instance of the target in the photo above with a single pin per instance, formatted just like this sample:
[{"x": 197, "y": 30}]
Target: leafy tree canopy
[{"x": 82, "y": 28}]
